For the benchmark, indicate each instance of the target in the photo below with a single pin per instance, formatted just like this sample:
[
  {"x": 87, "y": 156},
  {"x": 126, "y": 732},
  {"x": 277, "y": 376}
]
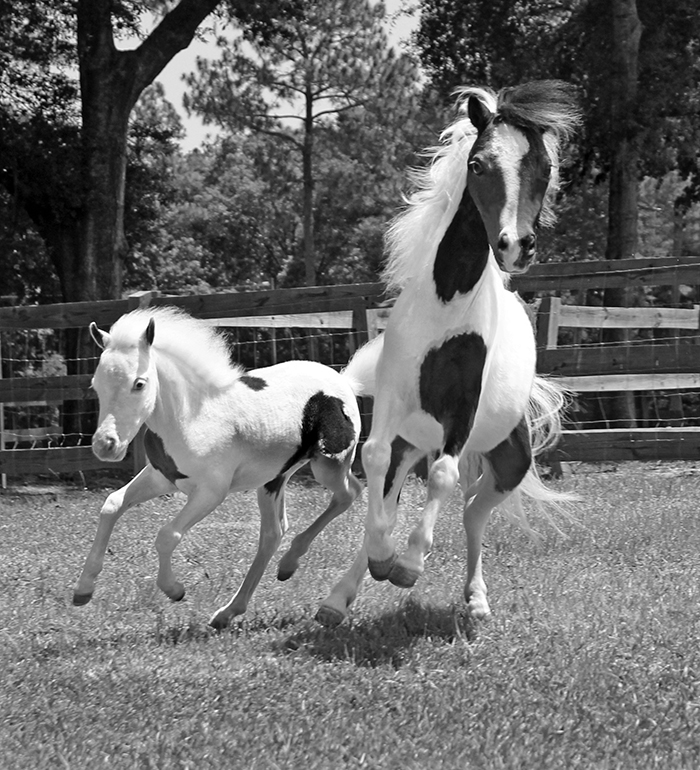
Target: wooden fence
[
  {"x": 356, "y": 309},
  {"x": 359, "y": 311}
]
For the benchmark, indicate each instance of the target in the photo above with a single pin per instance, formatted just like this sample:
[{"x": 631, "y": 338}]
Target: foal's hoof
[
  {"x": 380, "y": 570},
  {"x": 286, "y": 568},
  {"x": 329, "y": 617},
  {"x": 80, "y": 600},
  {"x": 403, "y": 576}
]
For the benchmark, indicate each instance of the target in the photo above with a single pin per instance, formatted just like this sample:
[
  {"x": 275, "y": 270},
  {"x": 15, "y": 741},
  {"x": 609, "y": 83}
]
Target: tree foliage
[{"x": 291, "y": 75}]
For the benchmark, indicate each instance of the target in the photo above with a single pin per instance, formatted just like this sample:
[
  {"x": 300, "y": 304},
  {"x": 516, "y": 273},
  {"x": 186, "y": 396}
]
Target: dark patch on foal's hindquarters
[
  {"x": 511, "y": 459},
  {"x": 253, "y": 382},
  {"x": 159, "y": 458},
  {"x": 325, "y": 429},
  {"x": 450, "y": 386},
  {"x": 463, "y": 252}
]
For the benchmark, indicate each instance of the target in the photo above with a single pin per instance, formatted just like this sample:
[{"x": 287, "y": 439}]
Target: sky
[{"x": 399, "y": 29}]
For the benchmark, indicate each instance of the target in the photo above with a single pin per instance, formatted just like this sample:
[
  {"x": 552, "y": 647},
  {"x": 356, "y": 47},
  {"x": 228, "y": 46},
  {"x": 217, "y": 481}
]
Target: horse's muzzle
[{"x": 515, "y": 256}]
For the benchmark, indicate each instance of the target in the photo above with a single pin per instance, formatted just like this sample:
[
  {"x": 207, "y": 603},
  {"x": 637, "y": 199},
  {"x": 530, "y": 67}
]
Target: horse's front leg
[
  {"x": 334, "y": 608},
  {"x": 149, "y": 483},
  {"x": 206, "y": 496},
  {"x": 442, "y": 480},
  {"x": 273, "y": 524}
]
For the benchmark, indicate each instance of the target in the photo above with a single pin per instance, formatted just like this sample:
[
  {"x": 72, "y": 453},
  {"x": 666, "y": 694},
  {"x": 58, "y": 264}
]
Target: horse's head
[
  {"x": 126, "y": 384},
  {"x": 513, "y": 164}
]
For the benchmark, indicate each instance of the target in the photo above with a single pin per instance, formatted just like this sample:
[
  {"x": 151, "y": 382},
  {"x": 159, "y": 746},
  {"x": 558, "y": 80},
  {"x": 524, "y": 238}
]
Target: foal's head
[
  {"x": 126, "y": 385},
  {"x": 513, "y": 163}
]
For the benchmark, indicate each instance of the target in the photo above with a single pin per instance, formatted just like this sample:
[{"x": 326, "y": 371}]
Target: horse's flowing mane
[
  {"x": 547, "y": 105},
  {"x": 190, "y": 340}
]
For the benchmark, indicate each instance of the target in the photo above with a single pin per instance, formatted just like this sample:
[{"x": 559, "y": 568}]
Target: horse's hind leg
[
  {"x": 334, "y": 608},
  {"x": 149, "y": 483},
  {"x": 477, "y": 512},
  {"x": 337, "y": 477},
  {"x": 272, "y": 527},
  {"x": 508, "y": 463},
  {"x": 442, "y": 480}
]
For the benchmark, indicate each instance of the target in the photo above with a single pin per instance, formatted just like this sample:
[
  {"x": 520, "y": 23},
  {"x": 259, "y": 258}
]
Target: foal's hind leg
[
  {"x": 149, "y": 483},
  {"x": 337, "y": 477},
  {"x": 273, "y": 524}
]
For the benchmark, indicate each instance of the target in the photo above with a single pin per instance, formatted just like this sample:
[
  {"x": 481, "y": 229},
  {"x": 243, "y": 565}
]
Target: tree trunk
[
  {"x": 308, "y": 185},
  {"x": 624, "y": 170},
  {"x": 111, "y": 81}
]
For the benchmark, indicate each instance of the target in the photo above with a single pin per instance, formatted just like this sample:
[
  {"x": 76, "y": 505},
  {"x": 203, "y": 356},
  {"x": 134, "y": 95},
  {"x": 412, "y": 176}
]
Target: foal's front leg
[
  {"x": 200, "y": 503},
  {"x": 149, "y": 483},
  {"x": 273, "y": 524}
]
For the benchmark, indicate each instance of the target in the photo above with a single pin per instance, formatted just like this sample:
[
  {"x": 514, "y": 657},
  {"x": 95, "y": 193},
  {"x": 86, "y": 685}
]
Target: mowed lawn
[{"x": 592, "y": 659}]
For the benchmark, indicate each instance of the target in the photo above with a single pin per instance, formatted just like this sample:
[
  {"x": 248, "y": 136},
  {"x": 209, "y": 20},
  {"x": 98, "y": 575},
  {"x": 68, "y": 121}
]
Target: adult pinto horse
[
  {"x": 212, "y": 429},
  {"x": 455, "y": 368}
]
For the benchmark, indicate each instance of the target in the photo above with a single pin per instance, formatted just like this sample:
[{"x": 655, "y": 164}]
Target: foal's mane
[
  {"x": 193, "y": 342},
  {"x": 548, "y": 106}
]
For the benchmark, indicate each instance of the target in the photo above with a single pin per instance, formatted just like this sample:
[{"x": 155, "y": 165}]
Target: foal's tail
[{"x": 361, "y": 371}]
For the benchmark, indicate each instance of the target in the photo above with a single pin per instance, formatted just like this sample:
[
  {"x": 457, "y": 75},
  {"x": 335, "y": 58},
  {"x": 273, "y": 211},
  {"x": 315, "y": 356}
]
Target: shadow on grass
[{"x": 385, "y": 640}]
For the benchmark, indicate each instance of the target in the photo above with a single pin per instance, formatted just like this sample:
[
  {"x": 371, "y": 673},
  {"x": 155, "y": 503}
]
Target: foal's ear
[
  {"x": 149, "y": 333},
  {"x": 478, "y": 113},
  {"x": 101, "y": 338}
]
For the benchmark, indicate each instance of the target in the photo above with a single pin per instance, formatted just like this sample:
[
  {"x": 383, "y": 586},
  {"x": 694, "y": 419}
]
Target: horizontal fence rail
[{"x": 345, "y": 317}]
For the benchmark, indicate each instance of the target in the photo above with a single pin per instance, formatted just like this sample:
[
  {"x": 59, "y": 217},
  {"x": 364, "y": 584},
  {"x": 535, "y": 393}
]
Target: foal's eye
[
  {"x": 476, "y": 166},
  {"x": 139, "y": 384}
]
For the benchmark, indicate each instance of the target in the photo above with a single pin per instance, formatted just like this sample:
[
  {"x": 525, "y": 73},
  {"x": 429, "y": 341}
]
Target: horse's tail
[
  {"x": 361, "y": 371},
  {"x": 543, "y": 415},
  {"x": 547, "y": 402}
]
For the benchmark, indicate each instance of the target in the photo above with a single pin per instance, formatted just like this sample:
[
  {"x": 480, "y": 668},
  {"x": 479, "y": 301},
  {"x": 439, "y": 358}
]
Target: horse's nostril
[
  {"x": 503, "y": 243},
  {"x": 528, "y": 242}
]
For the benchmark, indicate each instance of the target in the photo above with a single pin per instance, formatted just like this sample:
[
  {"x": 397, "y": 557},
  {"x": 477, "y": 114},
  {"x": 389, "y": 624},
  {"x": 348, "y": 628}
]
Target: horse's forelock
[{"x": 546, "y": 105}]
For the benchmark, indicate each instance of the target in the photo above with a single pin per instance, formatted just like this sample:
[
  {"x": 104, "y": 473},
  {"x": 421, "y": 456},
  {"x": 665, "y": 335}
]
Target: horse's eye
[
  {"x": 139, "y": 384},
  {"x": 476, "y": 166}
]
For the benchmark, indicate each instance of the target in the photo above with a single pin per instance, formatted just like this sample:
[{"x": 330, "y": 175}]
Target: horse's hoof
[
  {"x": 329, "y": 617},
  {"x": 380, "y": 570},
  {"x": 178, "y": 596},
  {"x": 403, "y": 576},
  {"x": 80, "y": 600},
  {"x": 218, "y": 623}
]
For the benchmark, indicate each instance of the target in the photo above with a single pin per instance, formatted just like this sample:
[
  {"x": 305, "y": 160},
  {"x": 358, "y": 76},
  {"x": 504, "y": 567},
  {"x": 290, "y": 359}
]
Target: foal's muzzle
[{"x": 107, "y": 447}]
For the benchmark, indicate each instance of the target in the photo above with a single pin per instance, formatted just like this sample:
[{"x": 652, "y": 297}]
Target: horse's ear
[
  {"x": 150, "y": 332},
  {"x": 478, "y": 113},
  {"x": 101, "y": 338}
]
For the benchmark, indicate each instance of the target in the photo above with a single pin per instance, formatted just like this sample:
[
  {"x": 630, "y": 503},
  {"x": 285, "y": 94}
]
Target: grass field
[{"x": 592, "y": 659}]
